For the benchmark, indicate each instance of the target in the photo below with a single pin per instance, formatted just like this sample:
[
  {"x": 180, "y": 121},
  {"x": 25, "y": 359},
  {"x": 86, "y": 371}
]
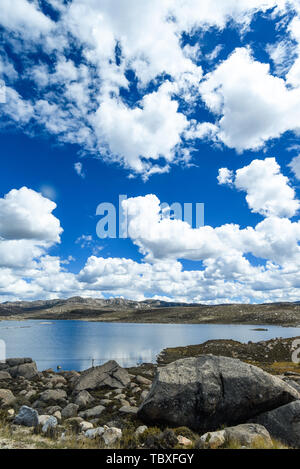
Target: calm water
[{"x": 73, "y": 344}]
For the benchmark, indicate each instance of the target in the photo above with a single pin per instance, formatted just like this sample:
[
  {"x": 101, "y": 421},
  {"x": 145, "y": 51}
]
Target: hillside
[{"x": 152, "y": 311}]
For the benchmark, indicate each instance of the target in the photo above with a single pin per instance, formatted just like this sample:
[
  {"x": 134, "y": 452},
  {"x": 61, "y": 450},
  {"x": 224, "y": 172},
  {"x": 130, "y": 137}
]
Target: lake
[{"x": 74, "y": 344}]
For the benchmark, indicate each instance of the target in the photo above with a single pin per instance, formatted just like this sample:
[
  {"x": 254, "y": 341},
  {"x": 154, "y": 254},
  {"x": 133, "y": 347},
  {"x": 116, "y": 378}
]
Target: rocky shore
[{"x": 201, "y": 401}]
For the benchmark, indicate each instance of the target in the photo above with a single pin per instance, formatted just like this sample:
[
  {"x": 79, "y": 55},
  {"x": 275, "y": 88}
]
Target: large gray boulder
[
  {"x": 27, "y": 417},
  {"x": 83, "y": 399},
  {"x": 283, "y": 423},
  {"x": 27, "y": 370},
  {"x": 206, "y": 392},
  {"x": 18, "y": 361},
  {"x": 110, "y": 374}
]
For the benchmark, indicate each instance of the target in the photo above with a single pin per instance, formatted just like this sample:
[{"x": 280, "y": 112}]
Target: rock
[
  {"x": 212, "y": 440},
  {"x": 182, "y": 440},
  {"x": 128, "y": 410},
  {"x": 84, "y": 426},
  {"x": 74, "y": 421},
  {"x": 203, "y": 393},
  {"x": 27, "y": 370},
  {"x": 248, "y": 435},
  {"x": 10, "y": 413},
  {"x": 18, "y": 361},
  {"x": 30, "y": 394},
  {"x": 294, "y": 384},
  {"x": 84, "y": 399},
  {"x": 57, "y": 396},
  {"x": 124, "y": 403},
  {"x": 43, "y": 419},
  {"x": 120, "y": 396},
  {"x": 111, "y": 435},
  {"x": 52, "y": 409},
  {"x": 6, "y": 398},
  {"x": 142, "y": 380},
  {"x": 50, "y": 423},
  {"x": 94, "y": 432},
  {"x": 110, "y": 374},
  {"x": 105, "y": 401},
  {"x": 27, "y": 417},
  {"x": 140, "y": 430},
  {"x": 57, "y": 415},
  {"x": 70, "y": 411},
  {"x": 144, "y": 394},
  {"x": 91, "y": 413},
  {"x": 4, "y": 375},
  {"x": 283, "y": 423}
]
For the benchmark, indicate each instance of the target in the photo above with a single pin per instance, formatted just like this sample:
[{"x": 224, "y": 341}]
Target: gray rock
[
  {"x": 4, "y": 375},
  {"x": 128, "y": 410},
  {"x": 111, "y": 435},
  {"x": 52, "y": 409},
  {"x": 94, "y": 432},
  {"x": 294, "y": 384},
  {"x": 51, "y": 422},
  {"x": 91, "y": 413},
  {"x": 57, "y": 396},
  {"x": 140, "y": 430},
  {"x": 27, "y": 370},
  {"x": 70, "y": 411},
  {"x": 110, "y": 374},
  {"x": 245, "y": 435},
  {"x": 84, "y": 399},
  {"x": 27, "y": 417},
  {"x": 6, "y": 398},
  {"x": 249, "y": 435},
  {"x": 17, "y": 361},
  {"x": 206, "y": 392},
  {"x": 283, "y": 423},
  {"x": 142, "y": 380}
]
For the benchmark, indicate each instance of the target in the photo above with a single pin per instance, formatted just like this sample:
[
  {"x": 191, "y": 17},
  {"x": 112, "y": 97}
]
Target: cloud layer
[
  {"x": 252, "y": 264},
  {"x": 108, "y": 78}
]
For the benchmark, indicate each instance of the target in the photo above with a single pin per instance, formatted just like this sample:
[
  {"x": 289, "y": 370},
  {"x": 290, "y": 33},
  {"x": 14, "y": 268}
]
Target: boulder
[
  {"x": 84, "y": 426},
  {"x": 83, "y": 399},
  {"x": 140, "y": 430},
  {"x": 18, "y": 361},
  {"x": 27, "y": 417},
  {"x": 92, "y": 413},
  {"x": 110, "y": 374},
  {"x": 54, "y": 396},
  {"x": 128, "y": 410},
  {"x": 246, "y": 435},
  {"x": 94, "y": 432},
  {"x": 182, "y": 440},
  {"x": 27, "y": 370},
  {"x": 4, "y": 375},
  {"x": 70, "y": 411},
  {"x": 50, "y": 422},
  {"x": 6, "y": 398},
  {"x": 111, "y": 435},
  {"x": 283, "y": 423},
  {"x": 142, "y": 380},
  {"x": 207, "y": 392},
  {"x": 249, "y": 435}
]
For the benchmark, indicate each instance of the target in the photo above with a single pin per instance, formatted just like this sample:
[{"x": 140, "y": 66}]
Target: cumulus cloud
[
  {"x": 252, "y": 105},
  {"x": 268, "y": 191},
  {"x": 84, "y": 101},
  {"x": 28, "y": 229}
]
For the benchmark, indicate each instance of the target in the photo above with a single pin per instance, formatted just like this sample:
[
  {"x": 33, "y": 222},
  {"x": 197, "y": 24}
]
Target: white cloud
[
  {"x": 81, "y": 101},
  {"x": 26, "y": 214},
  {"x": 253, "y": 106},
  {"x": 225, "y": 176},
  {"x": 295, "y": 166},
  {"x": 79, "y": 169},
  {"x": 268, "y": 191}
]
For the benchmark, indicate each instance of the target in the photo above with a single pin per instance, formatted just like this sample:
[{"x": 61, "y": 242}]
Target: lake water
[{"x": 73, "y": 344}]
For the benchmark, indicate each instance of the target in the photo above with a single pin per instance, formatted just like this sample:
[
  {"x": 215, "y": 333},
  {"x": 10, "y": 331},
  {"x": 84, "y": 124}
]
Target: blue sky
[{"x": 189, "y": 103}]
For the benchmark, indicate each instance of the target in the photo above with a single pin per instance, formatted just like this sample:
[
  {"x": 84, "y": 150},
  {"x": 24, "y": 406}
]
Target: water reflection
[{"x": 78, "y": 345}]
